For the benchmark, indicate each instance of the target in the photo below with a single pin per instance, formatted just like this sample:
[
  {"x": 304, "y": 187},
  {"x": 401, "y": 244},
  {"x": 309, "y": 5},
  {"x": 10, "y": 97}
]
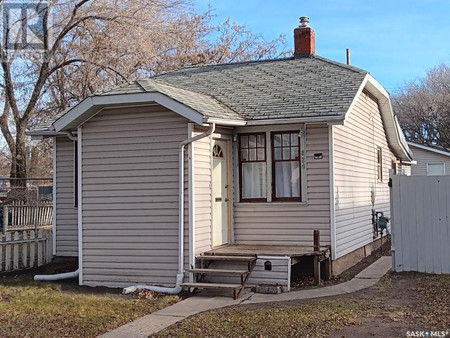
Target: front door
[{"x": 220, "y": 193}]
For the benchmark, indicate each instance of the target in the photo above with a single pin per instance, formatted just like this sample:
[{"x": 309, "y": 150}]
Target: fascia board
[{"x": 91, "y": 105}]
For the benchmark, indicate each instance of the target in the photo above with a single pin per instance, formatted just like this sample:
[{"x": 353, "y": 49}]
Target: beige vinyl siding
[
  {"x": 202, "y": 188},
  {"x": 423, "y": 157},
  {"x": 355, "y": 172},
  {"x": 290, "y": 223},
  {"x": 130, "y": 196},
  {"x": 66, "y": 214}
]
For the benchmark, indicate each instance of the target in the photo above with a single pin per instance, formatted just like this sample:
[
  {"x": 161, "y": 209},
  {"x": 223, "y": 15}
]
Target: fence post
[
  {"x": 5, "y": 219},
  {"x": 16, "y": 251},
  {"x": 36, "y": 216}
]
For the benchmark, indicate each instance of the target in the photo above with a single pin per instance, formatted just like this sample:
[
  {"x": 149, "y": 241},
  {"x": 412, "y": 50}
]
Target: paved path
[{"x": 155, "y": 322}]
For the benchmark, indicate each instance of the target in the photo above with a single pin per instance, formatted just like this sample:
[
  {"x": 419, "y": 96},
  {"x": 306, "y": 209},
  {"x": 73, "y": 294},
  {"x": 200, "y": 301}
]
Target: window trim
[
  {"x": 443, "y": 166},
  {"x": 273, "y": 184},
  {"x": 379, "y": 164},
  {"x": 241, "y": 187}
]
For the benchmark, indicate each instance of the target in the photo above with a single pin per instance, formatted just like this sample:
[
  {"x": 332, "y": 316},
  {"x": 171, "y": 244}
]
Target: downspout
[
  {"x": 180, "y": 275},
  {"x": 58, "y": 276},
  {"x": 65, "y": 275}
]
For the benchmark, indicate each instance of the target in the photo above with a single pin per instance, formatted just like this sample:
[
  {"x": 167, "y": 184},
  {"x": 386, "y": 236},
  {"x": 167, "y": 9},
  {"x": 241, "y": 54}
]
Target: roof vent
[{"x": 304, "y": 39}]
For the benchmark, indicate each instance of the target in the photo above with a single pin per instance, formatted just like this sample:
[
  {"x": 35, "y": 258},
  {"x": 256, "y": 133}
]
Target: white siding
[
  {"x": 423, "y": 157},
  {"x": 130, "y": 196},
  {"x": 66, "y": 214},
  {"x": 355, "y": 170},
  {"x": 202, "y": 177},
  {"x": 288, "y": 223}
]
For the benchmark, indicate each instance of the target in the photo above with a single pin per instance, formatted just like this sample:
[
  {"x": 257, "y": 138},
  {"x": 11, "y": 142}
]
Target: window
[
  {"x": 217, "y": 151},
  {"x": 252, "y": 166},
  {"x": 379, "y": 164},
  {"x": 394, "y": 167},
  {"x": 285, "y": 166},
  {"x": 435, "y": 169}
]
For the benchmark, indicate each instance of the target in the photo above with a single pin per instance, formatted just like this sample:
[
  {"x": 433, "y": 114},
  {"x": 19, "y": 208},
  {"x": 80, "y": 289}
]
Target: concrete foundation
[{"x": 345, "y": 262}]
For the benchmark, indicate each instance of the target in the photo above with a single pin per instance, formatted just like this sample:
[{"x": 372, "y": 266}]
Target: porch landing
[
  {"x": 292, "y": 251},
  {"x": 321, "y": 255}
]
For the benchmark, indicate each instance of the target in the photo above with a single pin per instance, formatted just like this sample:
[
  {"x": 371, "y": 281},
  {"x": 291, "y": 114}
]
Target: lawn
[
  {"x": 397, "y": 304},
  {"x": 42, "y": 309}
]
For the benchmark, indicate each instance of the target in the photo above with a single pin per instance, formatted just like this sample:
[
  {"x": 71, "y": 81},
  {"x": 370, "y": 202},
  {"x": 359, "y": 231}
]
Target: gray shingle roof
[
  {"x": 201, "y": 102},
  {"x": 273, "y": 89},
  {"x": 47, "y": 124},
  {"x": 299, "y": 87}
]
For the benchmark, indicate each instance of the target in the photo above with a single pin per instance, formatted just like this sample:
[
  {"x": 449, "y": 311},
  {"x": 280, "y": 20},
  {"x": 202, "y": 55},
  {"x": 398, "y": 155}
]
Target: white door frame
[{"x": 227, "y": 140}]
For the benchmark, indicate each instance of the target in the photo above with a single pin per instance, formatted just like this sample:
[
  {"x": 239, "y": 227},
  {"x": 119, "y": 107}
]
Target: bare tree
[
  {"x": 91, "y": 45},
  {"x": 423, "y": 108}
]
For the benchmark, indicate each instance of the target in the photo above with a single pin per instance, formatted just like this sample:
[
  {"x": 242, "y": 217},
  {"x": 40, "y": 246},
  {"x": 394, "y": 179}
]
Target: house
[
  {"x": 265, "y": 152},
  {"x": 430, "y": 161}
]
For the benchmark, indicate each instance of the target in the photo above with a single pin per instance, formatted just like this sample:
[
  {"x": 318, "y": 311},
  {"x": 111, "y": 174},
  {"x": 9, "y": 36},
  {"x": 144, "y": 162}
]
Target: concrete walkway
[{"x": 159, "y": 320}]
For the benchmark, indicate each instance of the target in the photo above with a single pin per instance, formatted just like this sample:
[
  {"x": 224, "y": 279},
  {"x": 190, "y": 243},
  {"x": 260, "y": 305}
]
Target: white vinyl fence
[
  {"x": 25, "y": 249},
  {"x": 420, "y": 220}
]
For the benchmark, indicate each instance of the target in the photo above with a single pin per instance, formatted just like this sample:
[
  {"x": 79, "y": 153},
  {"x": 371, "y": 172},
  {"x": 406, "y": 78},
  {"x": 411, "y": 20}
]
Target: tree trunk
[{"x": 19, "y": 166}]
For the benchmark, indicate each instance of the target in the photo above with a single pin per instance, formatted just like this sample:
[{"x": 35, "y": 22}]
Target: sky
[{"x": 396, "y": 40}]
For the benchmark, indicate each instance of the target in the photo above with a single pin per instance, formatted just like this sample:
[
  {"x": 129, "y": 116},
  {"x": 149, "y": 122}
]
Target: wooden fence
[
  {"x": 420, "y": 220},
  {"x": 23, "y": 216},
  {"x": 25, "y": 249}
]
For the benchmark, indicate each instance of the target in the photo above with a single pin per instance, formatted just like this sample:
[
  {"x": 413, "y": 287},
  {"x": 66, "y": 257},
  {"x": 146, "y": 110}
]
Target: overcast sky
[{"x": 396, "y": 40}]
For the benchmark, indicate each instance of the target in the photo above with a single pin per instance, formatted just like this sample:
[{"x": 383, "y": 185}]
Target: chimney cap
[{"x": 304, "y": 21}]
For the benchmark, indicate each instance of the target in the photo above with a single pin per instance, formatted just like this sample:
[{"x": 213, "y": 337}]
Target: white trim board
[
  {"x": 54, "y": 197},
  {"x": 437, "y": 151},
  {"x": 332, "y": 192},
  {"x": 191, "y": 202},
  {"x": 80, "y": 207},
  {"x": 90, "y": 105}
]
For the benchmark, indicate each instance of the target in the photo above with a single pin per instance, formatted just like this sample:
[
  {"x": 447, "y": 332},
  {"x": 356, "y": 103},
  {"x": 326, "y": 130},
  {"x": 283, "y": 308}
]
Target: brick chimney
[{"x": 304, "y": 39}]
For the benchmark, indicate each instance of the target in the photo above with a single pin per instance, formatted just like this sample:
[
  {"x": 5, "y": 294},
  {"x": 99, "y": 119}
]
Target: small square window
[{"x": 435, "y": 169}]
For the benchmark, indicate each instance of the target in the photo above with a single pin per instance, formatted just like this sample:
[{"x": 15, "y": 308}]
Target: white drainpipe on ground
[
  {"x": 180, "y": 274},
  {"x": 58, "y": 276}
]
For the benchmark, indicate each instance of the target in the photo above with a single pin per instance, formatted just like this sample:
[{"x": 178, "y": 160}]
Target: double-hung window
[
  {"x": 286, "y": 166},
  {"x": 283, "y": 160},
  {"x": 253, "y": 167}
]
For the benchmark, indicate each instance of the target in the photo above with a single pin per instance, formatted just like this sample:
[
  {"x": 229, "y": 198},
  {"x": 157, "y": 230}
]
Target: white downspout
[
  {"x": 58, "y": 276},
  {"x": 65, "y": 275},
  {"x": 180, "y": 274}
]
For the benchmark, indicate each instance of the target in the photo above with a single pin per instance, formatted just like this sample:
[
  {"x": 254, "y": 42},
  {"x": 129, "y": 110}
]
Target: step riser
[
  {"x": 227, "y": 258},
  {"x": 241, "y": 275}
]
